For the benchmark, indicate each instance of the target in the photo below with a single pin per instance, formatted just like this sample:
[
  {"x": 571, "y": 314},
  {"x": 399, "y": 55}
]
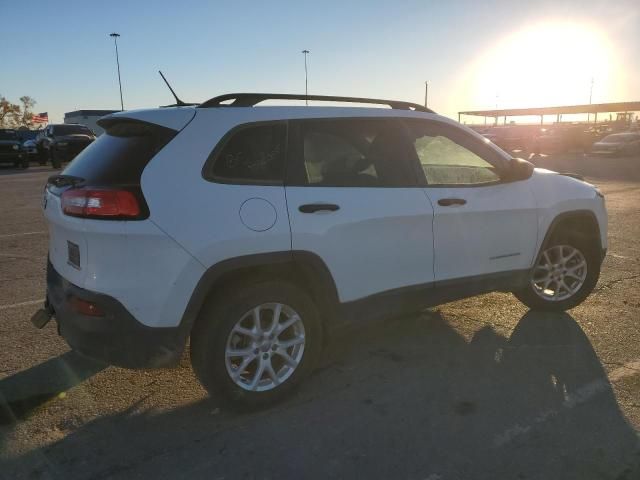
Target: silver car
[{"x": 626, "y": 143}]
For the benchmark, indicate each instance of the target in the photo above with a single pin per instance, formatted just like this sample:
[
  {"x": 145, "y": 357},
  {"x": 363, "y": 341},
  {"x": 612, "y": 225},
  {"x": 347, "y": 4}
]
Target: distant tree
[
  {"x": 13, "y": 115},
  {"x": 26, "y": 119},
  {"x": 8, "y": 112}
]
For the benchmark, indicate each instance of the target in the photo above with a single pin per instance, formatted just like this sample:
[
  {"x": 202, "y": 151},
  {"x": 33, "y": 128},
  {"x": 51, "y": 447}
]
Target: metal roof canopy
[
  {"x": 76, "y": 113},
  {"x": 589, "y": 108}
]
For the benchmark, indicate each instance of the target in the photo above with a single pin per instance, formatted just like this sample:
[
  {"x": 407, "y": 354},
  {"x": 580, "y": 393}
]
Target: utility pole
[
  {"x": 590, "y": 98},
  {"x": 426, "y": 93},
  {"x": 306, "y": 79},
  {"x": 115, "y": 41}
]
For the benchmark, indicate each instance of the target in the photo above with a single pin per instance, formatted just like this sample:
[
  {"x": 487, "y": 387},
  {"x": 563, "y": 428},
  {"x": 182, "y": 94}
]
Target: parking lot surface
[{"x": 475, "y": 389}]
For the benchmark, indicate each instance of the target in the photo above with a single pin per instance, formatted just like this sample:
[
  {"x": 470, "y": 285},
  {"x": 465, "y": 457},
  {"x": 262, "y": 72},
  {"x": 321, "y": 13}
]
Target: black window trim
[
  {"x": 207, "y": 168},
  {"x": 499, "y": 169},
  {"x": 296, "y": 177}
]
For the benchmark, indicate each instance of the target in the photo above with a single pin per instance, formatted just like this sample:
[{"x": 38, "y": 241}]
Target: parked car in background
[
  {"x": 549, "y": 141},
  {"x": 30, "y": 149},
  {"x": 565, "y": 138},
  {"x": 62, "y": 142},
  {"x": 626, "y": 143},
  {"x": 26, "y": 134},
  {"x": 28, "y": 139},
  {"x": 508, "y": 138},
  {"x": 11, "y": 149}
]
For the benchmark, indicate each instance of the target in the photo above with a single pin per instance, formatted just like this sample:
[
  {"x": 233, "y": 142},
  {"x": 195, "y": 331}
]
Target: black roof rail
[{"x": 252, "y": 99}]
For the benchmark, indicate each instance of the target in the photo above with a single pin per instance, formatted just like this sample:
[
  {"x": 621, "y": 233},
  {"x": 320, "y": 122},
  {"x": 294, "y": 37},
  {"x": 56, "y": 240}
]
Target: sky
[{"x": 474, "y": 54}]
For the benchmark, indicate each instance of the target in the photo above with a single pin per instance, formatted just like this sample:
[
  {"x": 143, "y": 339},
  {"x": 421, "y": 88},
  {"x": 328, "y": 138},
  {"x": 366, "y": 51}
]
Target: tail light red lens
[
  {"x": 100, "y": 203},
  {"x": 84, "y": 307}
]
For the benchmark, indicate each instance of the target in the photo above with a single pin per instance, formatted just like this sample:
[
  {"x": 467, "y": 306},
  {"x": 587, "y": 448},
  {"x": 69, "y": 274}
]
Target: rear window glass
[
  {"x": 253, "y": 154},
  {"x": 119, "y": 156}
]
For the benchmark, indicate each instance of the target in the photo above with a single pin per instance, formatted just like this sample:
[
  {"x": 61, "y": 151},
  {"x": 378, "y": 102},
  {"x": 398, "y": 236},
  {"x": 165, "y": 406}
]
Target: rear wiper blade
[{"x": 64, "y": 180}]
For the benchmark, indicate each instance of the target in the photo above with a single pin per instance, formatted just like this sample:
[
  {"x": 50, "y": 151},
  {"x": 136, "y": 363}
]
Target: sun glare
[{"x": 547, "y": 64}]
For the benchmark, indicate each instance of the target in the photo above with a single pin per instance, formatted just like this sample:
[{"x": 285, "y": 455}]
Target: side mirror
[{"x": 518, "y": 169}]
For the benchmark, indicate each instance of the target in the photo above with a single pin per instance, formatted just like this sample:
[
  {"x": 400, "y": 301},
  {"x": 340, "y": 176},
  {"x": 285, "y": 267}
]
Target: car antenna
[{"x": 179, "y": 103}]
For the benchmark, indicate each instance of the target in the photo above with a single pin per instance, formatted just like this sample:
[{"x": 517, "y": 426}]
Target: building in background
[{"x": 88, "y": 118}]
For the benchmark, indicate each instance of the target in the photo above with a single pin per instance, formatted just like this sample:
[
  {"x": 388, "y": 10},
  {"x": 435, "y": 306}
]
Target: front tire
[
  {"x": 252, "y": 346},
  {"x": 565, "y": 273}
]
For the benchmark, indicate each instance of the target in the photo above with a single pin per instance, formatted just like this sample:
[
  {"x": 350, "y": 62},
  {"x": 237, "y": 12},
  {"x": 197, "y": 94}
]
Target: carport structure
[{"x": 621, "y": 108}]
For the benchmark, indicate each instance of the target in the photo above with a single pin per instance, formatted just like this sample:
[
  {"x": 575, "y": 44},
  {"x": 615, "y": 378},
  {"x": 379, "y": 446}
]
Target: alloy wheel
[
  {"x": 560, "y": 273},
  {"x": 265, "y": 347}
]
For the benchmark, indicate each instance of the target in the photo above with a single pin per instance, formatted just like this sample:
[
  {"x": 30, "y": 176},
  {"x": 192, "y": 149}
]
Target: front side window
[
  {"x": 351, "y": 153},
  {"x": 452, "y": 157},
  {"x": 254, "y": 154}
]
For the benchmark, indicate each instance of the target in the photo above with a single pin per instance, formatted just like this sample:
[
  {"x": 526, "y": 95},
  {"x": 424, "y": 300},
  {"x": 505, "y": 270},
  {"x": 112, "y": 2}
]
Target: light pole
[
  {"x": 306, "y": 83},
  {"x": 426, "y": 93},
  {"x": 590, "y": 98},
  {"x": 115, "y": 41}
]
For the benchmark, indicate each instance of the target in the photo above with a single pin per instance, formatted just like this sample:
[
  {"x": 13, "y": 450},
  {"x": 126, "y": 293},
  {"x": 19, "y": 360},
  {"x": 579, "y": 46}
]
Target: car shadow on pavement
[
  {"x": 407, "y": 398},
  {"x": 25, "y": 391}
]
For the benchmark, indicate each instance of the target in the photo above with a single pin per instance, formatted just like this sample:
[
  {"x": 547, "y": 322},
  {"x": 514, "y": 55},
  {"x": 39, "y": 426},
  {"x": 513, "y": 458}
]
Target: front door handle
[
  {"x": 318, "y": 207},
  {"x": 451, "y": 202}
]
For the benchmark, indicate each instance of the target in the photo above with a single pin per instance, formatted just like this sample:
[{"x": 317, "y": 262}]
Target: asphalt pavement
[{"x": 475, "y": 389}]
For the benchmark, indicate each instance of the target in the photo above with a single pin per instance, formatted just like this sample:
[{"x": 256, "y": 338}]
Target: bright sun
[{"x": 548, "y": 64}]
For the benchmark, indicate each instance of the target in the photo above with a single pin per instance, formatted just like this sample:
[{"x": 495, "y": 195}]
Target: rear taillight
[
  {"x": 100, "y": 203},
  {"x": 85, "y": 307}
]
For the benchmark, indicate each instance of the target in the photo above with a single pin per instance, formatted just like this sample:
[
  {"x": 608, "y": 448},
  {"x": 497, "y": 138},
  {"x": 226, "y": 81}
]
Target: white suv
[{"x": 258, "y": 231}]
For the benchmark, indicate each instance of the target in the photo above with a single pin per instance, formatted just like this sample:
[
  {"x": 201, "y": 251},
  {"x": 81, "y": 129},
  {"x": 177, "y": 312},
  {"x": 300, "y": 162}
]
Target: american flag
[{"x": 41, "y": 117}]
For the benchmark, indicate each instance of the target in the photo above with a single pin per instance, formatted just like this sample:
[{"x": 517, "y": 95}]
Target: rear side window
[
  {"x": 250, "y": 154},
  {"x": 119, "y": 156},
  {"x": 350, "y": 153}
]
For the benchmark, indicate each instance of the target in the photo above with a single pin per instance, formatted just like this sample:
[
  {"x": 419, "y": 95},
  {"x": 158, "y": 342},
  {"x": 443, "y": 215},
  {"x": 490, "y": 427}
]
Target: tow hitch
[{"x": 43, "y": 315}]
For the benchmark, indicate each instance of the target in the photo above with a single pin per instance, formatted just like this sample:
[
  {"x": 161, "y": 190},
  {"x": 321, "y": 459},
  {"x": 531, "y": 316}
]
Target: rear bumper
[{"x": 117, "y": 337}]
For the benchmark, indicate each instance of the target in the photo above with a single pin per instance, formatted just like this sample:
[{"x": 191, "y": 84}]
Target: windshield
[
  {"x": 8, "y": 135},
  {"x": 71, "y": 130},
  {"x": 27, "y": 134}
]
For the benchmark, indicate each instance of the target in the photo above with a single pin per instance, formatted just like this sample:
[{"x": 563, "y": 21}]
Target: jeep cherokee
[{"x": 259, "y": 231}]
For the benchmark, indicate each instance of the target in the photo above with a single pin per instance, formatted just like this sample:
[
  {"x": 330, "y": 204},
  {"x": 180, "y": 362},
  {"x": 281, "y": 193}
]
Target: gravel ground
[{"x": 474, "y": 389}]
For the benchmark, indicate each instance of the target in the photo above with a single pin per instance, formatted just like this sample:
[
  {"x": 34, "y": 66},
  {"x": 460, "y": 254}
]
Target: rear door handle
[
  {"x": 451, "y": 202},
  {"x": 318, "y": 207}
]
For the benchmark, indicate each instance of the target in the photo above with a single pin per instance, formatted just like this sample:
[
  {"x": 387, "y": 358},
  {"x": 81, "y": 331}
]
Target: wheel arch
[
  {"x": 302, "y": 268},
  {"x": 581, "y": 222}
]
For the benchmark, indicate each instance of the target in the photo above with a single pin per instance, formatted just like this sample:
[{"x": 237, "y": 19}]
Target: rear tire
[
  {"x": 249, "y": 365},
  {"x": 558, "y": 281}
]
